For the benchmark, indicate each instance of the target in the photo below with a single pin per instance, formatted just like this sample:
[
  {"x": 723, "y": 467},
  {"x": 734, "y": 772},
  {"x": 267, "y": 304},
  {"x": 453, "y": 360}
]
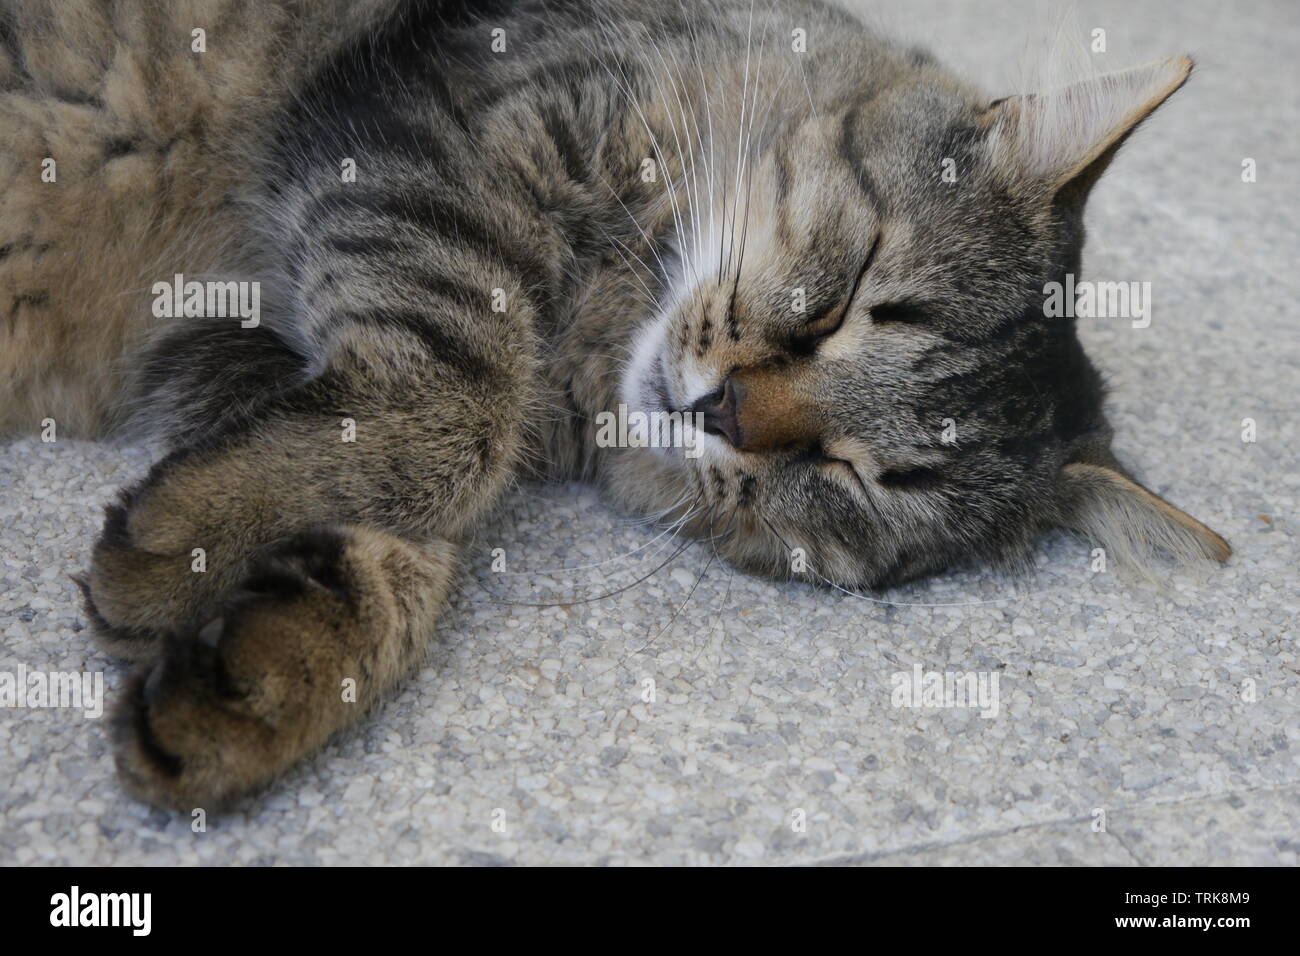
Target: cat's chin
[{"x": 646, "y": 482}]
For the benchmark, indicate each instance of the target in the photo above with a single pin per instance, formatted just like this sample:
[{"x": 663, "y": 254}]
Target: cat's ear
[
  {"x": 1131, "y": 522},
  {"x": 1067, "y": 137}
]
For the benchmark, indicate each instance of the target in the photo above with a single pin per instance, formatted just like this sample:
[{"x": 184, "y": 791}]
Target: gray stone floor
[{"x": 1120, "y": 701}]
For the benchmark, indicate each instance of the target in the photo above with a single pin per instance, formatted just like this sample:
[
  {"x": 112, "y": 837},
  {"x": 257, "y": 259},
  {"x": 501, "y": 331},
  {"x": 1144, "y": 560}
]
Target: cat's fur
[{"x": 517, "y": 177}]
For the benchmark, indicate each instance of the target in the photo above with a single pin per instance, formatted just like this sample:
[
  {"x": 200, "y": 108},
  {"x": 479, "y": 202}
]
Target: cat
[{"x": 479, "y": 228}]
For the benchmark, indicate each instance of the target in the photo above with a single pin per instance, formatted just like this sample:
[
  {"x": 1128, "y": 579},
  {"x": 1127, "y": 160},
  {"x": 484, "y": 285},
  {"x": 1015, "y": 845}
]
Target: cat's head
[{"x": 864, "y": 330}]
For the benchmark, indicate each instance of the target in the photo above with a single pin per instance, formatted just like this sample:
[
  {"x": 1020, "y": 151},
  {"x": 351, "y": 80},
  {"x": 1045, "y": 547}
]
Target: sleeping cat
[{"x": 480, "y": 227}]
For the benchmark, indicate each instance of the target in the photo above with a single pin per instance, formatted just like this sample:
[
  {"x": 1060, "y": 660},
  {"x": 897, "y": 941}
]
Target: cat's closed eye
[
  {"x": 844, "y": 470},
  {"x": 899, "y": 313},
  {"x": 823, "y": 326},
  {"x": 910, "y": 479},
  {"x": 818, "y": 329},
  {"x": 839, "y": 468}
]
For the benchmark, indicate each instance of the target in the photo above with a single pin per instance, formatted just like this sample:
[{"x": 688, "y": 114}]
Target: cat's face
[
  {"x": 868, "y": 363},
  {"x": 864, "y": 333}
]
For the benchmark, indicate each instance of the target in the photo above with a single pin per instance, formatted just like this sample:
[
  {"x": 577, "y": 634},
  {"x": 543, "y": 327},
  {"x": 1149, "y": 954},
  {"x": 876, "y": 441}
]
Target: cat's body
[{"x": 563, "y": 206}]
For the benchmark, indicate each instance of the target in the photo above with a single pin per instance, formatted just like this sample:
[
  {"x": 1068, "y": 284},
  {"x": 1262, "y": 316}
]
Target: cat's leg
[
  {"x": 201, "y": 377},
  {"x": 326, "y": 515}
]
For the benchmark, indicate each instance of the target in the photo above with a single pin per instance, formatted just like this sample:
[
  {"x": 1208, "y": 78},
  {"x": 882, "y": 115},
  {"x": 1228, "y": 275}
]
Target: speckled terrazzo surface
[{"x": 1119, "y": 701}]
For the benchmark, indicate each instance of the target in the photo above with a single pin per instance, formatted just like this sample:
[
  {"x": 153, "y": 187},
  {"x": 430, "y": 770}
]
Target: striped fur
[{"x": 622, "y": 205}]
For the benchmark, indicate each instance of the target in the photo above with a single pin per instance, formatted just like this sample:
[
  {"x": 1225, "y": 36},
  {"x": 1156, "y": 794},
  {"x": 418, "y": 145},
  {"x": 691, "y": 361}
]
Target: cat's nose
[
  {"x": 758, "y": 410},
  {"x": 721, "y": 411}
]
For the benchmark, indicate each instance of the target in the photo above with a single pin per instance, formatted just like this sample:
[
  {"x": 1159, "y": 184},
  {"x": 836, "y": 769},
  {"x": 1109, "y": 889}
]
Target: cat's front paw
[
  {"x": 131, "y": 596},
  {"x": 162, "y": 557},
  {"x": 232, "y": 703}
]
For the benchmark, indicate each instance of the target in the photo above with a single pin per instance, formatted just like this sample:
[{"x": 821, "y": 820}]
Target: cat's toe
[
  {"x": 189, "y": 731},
  {"x": 117, "y": 640},
  {"x": 133, "y": 595},
  {"x": 169, "y": 550}
]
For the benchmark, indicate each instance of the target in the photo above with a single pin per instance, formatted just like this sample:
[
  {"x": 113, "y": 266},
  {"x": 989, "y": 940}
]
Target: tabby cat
[{"x": 476, "y": 228}]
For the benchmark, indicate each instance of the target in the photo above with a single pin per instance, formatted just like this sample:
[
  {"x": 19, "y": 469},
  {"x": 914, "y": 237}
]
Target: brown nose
[
  {"x": 720, "y": 411},
  {"x": 757, "y": 411}
]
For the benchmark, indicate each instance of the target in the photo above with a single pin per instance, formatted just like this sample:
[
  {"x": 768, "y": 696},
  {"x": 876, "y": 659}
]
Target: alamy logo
[
  {"x": 1098, "y": 300},
  {"x": 82, "y": 691},
  {"x": 103, "y": 909},
  {"x": 215, "y": 300},
  {"x": 947, "y": 689},
  {"x": 626, "y": 429}
]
